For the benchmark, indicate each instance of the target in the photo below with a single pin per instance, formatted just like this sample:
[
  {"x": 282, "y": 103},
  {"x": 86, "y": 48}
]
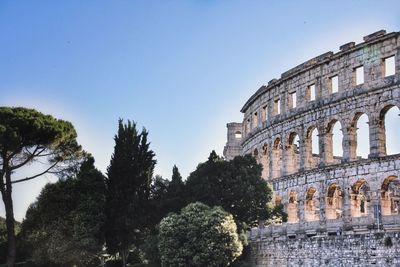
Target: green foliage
[
  {"x": 199, "y": 236},
  {"x": 151, "y": 251},
  {"x": 128, "y": 189},
  {"x": 64, "y": 226},
  {"x": 159, "y": 203},
  {"x": 3, "y": 239},
  {"x": 3, "y": 229},
  {"x": 234, "y": 185},
  {"x": 26, "y": 136},
  {"x": 277, "y": 215},
  {"x": 176, "y": 190},
  {"x": 167, "y": 196},
  {"x": 22, "y": 127},
  {"x": 388, "y": 241}
]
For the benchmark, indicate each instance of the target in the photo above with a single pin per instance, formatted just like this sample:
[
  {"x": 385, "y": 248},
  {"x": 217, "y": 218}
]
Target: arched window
[
  {"x": 390, "y": 196},
  {"x": 359, "y": 198},
  {"x": 312, "y": 148},
  {"x": 334, "y": 202},
  {"x": 265, "y": 161},
  {"x": 292, "y": 208},
  {"x": 362, "y": 134},
  {"x": 390, "y": 122},
  {"x": 311, "y": 206},
  {"x": 334, "y": 140},
  {"x": 337, "y": 139},
  {"x": 293, "y": 153},
  {"x": 315, "y": 144},
  {"x": 277, "y": 158}
]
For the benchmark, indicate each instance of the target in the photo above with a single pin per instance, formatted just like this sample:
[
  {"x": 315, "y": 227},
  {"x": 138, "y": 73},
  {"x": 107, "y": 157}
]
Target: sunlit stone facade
[{"x": 327, "y": 196}]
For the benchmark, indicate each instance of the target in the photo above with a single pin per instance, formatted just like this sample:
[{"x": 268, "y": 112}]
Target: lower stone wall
[{"x": 369, "y": 249}]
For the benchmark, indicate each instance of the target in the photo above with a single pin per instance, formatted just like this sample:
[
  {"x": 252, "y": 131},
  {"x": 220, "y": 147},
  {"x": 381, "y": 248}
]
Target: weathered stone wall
[
  {"x": 325, "y": 194},
  {"x": 235, "y": 138},
  {"x": 370, "y": 249}
]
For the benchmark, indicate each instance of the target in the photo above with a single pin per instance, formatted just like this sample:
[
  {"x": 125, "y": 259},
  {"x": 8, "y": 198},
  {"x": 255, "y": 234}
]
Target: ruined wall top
[{"x": 314, "y": 63}]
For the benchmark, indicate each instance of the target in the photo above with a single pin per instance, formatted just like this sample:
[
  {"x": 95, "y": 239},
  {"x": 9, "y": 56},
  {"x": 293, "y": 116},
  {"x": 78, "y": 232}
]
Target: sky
[{"x": 181, "y": 69}]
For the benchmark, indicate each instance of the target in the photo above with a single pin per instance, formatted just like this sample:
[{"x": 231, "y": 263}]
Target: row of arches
[
  {"x": 331, "y": 144},
  {"x": 359, "y": 200}
]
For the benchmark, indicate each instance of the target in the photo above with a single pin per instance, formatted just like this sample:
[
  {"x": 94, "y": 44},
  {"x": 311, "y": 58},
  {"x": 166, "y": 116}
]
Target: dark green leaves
[
  {"x": 128, "y": 188},
  {"x": 235, "y": 185}
]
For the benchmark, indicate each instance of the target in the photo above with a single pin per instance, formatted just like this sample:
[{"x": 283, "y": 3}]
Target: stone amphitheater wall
[{"x": 330, "y": 200}]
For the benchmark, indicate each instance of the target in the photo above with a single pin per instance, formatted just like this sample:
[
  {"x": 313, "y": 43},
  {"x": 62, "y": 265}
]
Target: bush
[
  {"x": 388, "y": 241},
  {"x": 199, "y": 236}
]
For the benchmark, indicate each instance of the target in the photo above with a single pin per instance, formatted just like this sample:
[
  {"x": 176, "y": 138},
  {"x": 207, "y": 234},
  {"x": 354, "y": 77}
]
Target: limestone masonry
[{"x": 342, "y": 210}]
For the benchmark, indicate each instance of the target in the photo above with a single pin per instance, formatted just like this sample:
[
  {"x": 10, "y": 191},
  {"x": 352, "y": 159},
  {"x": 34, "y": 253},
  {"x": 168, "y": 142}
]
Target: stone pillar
[
  {"x": 301, "y": 211},
  {"x": 318, "y": 87},
  {"x": 270, "y": 162},
  {"x": 303, "y": 152},
  {"x": 325, "y": 148},
  {"x": 350, "y": 144},
  {"x": 375, "y": 202},
  {"x": 284, "y": 103},
  {"x": 346, "y": 214},
  {"x": 377, "y": 138},
  {"x": 322, "y": 207},
  {"x": 253, "y": 120},
  {"x": 265, "y": 164},
  {"x": 286, "y": 160}
]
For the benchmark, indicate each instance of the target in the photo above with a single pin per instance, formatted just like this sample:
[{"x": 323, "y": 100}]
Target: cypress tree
[
  {"x": 175, "y": 193},
  {"x": 128, "y": 188}
]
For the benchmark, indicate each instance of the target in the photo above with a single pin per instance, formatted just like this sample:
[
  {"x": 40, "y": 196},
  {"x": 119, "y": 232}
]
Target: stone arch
[
  {"x": 311, "y": 142},
  {"x": 359, "y": 143},
  {"x": 333, "y": 144},
  {"x": 293, "y": 153},
  {"x": 277, "y": 158},
  {"x": 387, "y": 134},
  {"x": 311, "y": 206},
  {"x": 334, "y": 202},
  {"x": 359, "y": 198},
  {"x": 265, "y": 160},
  {"x": 390, "y": 196},
  {"x": 292, "y": 208}
]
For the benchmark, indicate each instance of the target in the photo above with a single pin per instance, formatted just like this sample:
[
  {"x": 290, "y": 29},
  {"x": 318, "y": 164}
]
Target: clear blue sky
[{"x": 182, "y": 69}]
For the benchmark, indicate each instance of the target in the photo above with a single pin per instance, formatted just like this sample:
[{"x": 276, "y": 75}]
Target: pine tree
[
  {"x": 28, "y": 136},
  {"x": 128, "y": 188}
]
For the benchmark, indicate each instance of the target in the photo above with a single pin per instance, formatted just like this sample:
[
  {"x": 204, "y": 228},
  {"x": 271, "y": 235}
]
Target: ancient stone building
[{"x": 342, "y": 210}]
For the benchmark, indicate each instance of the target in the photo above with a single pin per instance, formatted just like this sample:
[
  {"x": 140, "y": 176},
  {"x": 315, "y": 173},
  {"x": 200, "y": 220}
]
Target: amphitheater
[{"x": 343, "y": 210}]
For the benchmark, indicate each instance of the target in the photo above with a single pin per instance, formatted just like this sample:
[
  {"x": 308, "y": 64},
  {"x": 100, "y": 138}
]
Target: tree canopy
[
  {"x": 26, "y": 136},
  {"x": 234, "y": 185},
  {"x": 199, "y": 236},
  {"x": 167, "y": 196},
  {"x": 65, "y": 225}
]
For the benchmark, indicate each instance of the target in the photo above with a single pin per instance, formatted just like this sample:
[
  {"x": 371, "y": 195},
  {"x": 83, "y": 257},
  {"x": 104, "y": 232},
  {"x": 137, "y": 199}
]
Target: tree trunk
[
  {"x": 124, "y": 256},
  {"x": 10, "y": 223}
]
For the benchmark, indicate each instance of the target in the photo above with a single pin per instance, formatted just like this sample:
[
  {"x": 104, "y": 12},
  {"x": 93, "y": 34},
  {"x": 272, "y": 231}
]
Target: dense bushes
[{"x": 199, "y": 236}]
